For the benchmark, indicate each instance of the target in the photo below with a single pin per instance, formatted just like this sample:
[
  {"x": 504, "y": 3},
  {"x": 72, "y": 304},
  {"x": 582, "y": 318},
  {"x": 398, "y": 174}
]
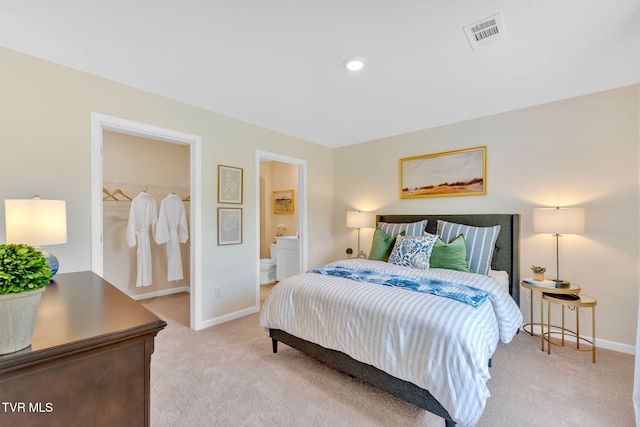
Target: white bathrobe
[
  {"x": 172, "y": 230},
  {"x": 142, "y": 215}
]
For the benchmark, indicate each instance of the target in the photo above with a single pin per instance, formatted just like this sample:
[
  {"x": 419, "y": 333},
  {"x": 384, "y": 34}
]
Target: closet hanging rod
[
  {"x": 111, "y": 196},
  {"x": 145, "y": 186}
]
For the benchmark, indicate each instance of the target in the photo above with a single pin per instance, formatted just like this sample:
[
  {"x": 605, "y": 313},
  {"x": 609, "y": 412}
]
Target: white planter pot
[{"x": 18, "y": 313}]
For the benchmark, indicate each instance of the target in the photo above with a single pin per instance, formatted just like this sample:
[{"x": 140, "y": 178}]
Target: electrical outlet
[{"x": 217, "y": 293}]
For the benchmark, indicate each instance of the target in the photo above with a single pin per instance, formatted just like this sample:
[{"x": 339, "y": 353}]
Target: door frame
[
  {"x": 301, "y": 206},
  {"x": 102, "y": 122}
]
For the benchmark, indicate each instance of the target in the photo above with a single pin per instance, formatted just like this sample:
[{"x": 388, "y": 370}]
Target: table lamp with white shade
[
  {"x": 558, "y": 221},
  {"x": 359, "y": 219},
  {"x": 37, "y": 222}
]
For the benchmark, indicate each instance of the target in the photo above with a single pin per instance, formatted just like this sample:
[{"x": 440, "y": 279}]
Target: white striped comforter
[{"x": 438, "y": 344}]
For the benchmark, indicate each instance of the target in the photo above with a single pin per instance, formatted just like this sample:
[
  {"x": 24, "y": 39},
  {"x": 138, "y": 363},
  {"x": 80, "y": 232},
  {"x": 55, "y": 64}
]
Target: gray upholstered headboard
[{"x": 507, "y": 253}]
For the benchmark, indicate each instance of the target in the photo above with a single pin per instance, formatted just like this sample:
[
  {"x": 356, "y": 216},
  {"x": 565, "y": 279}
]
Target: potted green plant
[
  {"x": 538, "y": 272},
  {"x": 24, "y": 273},
  {"x": 349, "y": 253}
]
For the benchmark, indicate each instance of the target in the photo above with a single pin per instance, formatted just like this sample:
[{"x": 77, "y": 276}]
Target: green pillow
[
  {"x": 452, "y": 256},
  {"x": 382, "y": 245}
]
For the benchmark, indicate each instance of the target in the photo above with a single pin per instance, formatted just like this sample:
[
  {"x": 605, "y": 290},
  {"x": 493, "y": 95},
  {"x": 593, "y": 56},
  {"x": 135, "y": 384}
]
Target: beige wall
[
  {"x": 578, "y": 152},
  {"x": 265, "y": 210},
  {"x": 45, "y": 111},
  {"x": 133, "y": 164},
  {"x": 582, "y": 151},
  {"x": 276, "y": 176},
  {"x": 284, "y": 177}
]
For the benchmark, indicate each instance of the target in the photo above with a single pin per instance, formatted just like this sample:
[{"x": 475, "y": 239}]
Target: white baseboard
[
  {"x": 600, "y": 343},
  {"x": 615, "y": 346},
  {"x": 161, "y": 293},
  {"x": 227, "y": 317}
]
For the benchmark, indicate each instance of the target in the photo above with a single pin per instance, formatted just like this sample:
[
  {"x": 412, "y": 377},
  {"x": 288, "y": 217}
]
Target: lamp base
[
  {"x": 361, "y": 255},
  {"x": 51, "y": 260},
  {"x": 562, "y": 283}
]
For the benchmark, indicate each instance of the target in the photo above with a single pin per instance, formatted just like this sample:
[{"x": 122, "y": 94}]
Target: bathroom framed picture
[
  {"x": 230, "y": 184},
  {"x": 283, "y": 202},
  {"x": 229, "y": 226}
]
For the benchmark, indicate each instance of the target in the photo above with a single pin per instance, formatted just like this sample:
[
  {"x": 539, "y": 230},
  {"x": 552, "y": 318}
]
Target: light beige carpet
[{"x": 227, "y": 375}]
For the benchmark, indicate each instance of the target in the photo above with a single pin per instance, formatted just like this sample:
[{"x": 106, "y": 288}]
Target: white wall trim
[
  {"x": 615, "y": 346},
  {"x": 102, "y": 122},
  {"x": 161, "y": 293},
  {"x": 600, "y": 343},
  {"x": 231, "y": 316}
]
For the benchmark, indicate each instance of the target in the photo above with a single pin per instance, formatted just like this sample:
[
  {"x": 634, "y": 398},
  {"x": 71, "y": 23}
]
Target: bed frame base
[
  {"x": 404, "y": 390},
  {"x": 506, "y": 257}
]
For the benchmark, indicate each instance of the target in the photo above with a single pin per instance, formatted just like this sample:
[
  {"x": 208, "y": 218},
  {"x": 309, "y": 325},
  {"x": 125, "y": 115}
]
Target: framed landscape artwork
[
  {"x": 452, "y": 173},
  {"x": 229, "y": 184},
  {"x": 229, "y": 226},
  {"x": 283, "y": 202}
]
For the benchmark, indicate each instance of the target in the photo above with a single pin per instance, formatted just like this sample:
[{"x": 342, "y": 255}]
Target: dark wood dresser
[{"x": 88, "y": 363}]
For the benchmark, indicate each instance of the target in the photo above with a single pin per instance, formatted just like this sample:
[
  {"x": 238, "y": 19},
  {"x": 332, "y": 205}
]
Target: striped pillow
[
  {"x": 410, "y": 228},
  {"x": 481, "y": 242}
]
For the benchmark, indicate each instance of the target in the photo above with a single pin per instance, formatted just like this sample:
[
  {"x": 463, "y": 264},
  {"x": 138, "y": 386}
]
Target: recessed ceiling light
[{"x": 354, "y": 64}]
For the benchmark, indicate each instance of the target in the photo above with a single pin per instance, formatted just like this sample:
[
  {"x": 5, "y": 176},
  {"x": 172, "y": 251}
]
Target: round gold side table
[
  {"x": 542, "y": 287},
  {"x": 585, "y": 301}
]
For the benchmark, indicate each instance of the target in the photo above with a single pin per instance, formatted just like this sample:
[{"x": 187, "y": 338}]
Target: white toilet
[{"x": 268, "y": 266}]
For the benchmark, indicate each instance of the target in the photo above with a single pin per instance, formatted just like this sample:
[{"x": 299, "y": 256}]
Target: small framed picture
[
  {"x": 230, "y": 184},
  {"x": 229, "y": 226},
  {"x": 283, "y": 202}
]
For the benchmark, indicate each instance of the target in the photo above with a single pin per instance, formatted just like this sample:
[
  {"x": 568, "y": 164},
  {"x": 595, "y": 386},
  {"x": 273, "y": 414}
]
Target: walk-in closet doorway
[{"x": 114, "y": 183}]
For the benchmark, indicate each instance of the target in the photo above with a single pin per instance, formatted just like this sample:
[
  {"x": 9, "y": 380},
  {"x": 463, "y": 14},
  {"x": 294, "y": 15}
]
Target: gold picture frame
[
  {"x": 451, "y": 173},
  {"x": 283, "y": 202},
  {"x": 230, "y": 183}
]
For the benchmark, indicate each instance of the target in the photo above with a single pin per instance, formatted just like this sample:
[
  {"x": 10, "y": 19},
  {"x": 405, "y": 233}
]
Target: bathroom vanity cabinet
[{"x": 288, "y": 262}]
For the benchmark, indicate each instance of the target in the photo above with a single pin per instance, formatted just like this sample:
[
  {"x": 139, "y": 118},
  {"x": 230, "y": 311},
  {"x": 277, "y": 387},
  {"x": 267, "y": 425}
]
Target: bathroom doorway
[{"x": 280, "y": 179}]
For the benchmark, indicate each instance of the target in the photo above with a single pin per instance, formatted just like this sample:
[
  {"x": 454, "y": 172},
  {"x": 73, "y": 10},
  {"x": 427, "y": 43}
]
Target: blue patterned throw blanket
[{"x": 465, "y": 294}]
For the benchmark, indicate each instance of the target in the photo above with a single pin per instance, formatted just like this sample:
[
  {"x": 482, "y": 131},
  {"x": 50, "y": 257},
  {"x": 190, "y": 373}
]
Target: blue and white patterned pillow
[
  {"x": 481, "y": 242},
  {"x": 413, "y": 251},
  {"x": 410, "y": 228}
]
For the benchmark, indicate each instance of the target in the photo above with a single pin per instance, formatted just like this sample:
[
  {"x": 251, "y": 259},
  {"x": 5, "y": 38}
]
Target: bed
[{"x": 434, "y": 352}]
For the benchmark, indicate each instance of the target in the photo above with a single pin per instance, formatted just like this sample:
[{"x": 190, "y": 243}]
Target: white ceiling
[{"x": 278, "y": 63}]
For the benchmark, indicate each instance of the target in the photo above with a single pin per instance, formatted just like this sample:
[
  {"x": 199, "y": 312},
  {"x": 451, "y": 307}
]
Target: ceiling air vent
[{"x": 486, "y": 31}]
